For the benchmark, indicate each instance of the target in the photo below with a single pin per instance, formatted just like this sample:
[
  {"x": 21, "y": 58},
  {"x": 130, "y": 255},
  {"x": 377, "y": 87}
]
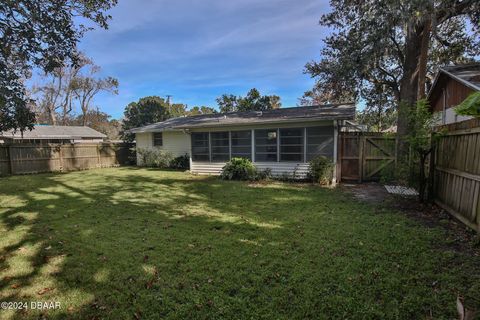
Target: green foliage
[
  {"x": 39, "y": 34},
  {"x": 180, "y": 163},
  {"x": 156, "y": 158},
  {"x": 195, "y": 111},
  {"x": 146, "y": 111},
  {"x": 320, "y": 170},
  {"x": 470, "y": 106},
  {"x": 239, "y": 169},
  {"x": 253, "y": 101},
  {"x": 377, "y": 119}
]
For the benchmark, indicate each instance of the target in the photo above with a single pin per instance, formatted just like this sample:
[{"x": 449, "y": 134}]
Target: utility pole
[{"x": 168, "y": 102}]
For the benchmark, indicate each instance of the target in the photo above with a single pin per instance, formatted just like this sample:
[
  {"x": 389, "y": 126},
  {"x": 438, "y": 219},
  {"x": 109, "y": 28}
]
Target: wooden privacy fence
[
  {"x": 363, "y": 155},
  {"x": 457, "y": 172},
  {"x": 23, "y": 159}
]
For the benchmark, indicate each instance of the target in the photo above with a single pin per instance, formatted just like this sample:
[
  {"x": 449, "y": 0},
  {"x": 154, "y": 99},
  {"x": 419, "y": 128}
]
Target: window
[
  {"x": 319, "y": 142},
  {"x": 157, "y": 139},
  {"x": 200, "y": 146},
  {"x": 220, "y": 146},
  {"x": 266, "y": 145},
  {"x": 242, "y": 144},
  {"x": 291, "y": 144}
]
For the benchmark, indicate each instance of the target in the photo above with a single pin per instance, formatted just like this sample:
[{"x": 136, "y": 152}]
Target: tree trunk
[
  {"x": 51, "y": 114},
  {"x": 408, "y": 86},
  {"x": 422, "y": 62}
]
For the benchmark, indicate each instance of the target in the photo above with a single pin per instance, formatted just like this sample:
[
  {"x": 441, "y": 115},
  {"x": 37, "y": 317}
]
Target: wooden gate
[{"x": 363, "y": 155}]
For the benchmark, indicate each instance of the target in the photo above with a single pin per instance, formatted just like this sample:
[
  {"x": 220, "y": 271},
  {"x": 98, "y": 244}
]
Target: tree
[
  {"x": 85, "y": 87},
  {"x": 146, "y": 111},
  {"x": 252, "y": 101},
  {"x": 201, "y": 110},
  {"x": 388, "y": 50},
  {"x": 56, "y": 92},
  {"x": 41, "y": 34},
  {"x": 99, "y": 121},
  {"x": 376, "y": 119},
  {"x": 421, "y": 122}
]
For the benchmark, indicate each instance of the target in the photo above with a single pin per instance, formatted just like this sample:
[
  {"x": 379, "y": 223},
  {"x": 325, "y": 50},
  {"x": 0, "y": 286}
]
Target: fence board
[
  {"x": 24, "y": 159},
  {"x": 457, "y": 172}
]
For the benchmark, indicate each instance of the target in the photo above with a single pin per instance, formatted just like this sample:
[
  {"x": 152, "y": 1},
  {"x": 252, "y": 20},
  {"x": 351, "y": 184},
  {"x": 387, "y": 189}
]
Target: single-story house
[
  {"x": 283, "y": 140},
  {"x": 43, "y": 134},
  {"x": 452, "y": 85}
]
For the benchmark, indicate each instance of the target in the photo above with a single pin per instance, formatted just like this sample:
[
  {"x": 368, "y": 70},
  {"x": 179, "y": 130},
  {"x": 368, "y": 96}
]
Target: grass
[{"x": 126, "y": 243}]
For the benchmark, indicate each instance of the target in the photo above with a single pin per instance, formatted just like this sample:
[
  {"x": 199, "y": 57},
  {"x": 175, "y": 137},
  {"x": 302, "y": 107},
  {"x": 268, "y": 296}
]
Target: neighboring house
[
  {"x": 283, "y": 140},
  {"x": 43, "y": 134},
  {"x": 451, "y": 86}
]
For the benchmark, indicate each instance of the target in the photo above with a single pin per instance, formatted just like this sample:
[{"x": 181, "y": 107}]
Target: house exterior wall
[
  {"x": 447, "y": 94},
  {"x": 176, "y": 142},
  {"x": 300, "y": 169}
]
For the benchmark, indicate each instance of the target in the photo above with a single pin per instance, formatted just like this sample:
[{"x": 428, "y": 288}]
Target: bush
[
  {"x": 239, "y": 169},
  {"x": 154, "y": 158},
  {"x": 320, "y": 169},
  {"x": 181, "y": 163}
]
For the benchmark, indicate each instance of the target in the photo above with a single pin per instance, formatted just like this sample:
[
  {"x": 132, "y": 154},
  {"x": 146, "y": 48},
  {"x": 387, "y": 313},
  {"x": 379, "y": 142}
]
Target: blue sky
[{"x": 196, "y": 50}]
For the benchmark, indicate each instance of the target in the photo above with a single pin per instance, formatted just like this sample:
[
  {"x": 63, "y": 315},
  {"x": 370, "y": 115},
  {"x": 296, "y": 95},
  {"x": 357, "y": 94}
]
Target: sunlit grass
[{"x": 124, "y": 243}]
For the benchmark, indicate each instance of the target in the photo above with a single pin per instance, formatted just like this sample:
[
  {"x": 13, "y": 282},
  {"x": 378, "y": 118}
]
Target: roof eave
[{"x": 275, "y": 121}]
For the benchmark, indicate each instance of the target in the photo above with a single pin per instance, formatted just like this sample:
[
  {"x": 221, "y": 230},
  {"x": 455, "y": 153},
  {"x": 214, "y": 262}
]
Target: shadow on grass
[{"x": 139, "y": 243}]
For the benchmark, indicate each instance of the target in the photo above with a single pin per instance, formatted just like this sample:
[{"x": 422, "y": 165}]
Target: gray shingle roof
[
  {"x": 295, "y": 114},
  {"x": 55, "y": 132}
]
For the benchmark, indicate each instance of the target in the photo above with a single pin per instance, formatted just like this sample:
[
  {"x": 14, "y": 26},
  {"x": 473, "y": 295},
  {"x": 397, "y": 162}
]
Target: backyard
[{"x": 136, "y": 243}]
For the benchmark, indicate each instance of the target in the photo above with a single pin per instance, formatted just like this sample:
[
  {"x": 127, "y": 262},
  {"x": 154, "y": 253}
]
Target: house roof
[
  {"x": 467, "y": 74},
  {"x": 311, "y": 113},
  {"x": 54, "y": 132}
]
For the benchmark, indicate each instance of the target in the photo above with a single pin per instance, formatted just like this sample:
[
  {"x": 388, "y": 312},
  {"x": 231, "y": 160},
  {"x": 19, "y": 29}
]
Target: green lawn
[{"x": 126, "y": 243}]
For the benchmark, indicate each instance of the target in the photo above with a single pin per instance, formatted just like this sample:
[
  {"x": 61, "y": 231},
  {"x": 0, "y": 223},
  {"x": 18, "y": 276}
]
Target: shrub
[
  {"x": 181, "y": 163},
  {"x": 320, "y": 169},
  {"x": 154, "y": 158},
  {"x": 264, "y": 174},
  {"x": 239, "y": 169}
]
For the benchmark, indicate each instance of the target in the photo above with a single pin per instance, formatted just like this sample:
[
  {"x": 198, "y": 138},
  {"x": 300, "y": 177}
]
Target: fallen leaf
[{"x": 44, "y": 290}]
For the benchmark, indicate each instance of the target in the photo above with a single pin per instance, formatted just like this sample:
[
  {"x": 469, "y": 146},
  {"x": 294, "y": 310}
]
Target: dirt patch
[{"x": 458, "y": 236}]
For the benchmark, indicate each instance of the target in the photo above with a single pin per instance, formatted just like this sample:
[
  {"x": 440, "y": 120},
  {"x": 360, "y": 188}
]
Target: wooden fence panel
[
  {"x": 24, "y": 159},
  {"x": 364, "y": 155},
  {"x": 457, "y": 174}
]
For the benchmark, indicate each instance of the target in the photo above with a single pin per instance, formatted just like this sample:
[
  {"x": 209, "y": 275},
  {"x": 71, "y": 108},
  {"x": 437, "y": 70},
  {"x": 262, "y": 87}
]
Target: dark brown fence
[
  {"x": 23, "y": 159},
  {"x": 364, "y": 155},
  {"x": 457, "y": 172}
]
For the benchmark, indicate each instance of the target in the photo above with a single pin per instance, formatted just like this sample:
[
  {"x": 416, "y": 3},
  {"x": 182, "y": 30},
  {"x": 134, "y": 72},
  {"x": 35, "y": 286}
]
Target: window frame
[
  {"x": 275, "y": 144},
  {"x": 301, "y": 145},
  {"x": 155, "y": 139},
  {"x": 212, "y": 146},
  {"x": 208, "y": 146},
  {"x": 235, "y": 154}
]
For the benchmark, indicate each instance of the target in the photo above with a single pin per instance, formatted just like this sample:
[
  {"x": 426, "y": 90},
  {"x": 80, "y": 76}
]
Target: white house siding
[
  {"x": 176, "y": 142},
  {"x": 277, "y": 168}
]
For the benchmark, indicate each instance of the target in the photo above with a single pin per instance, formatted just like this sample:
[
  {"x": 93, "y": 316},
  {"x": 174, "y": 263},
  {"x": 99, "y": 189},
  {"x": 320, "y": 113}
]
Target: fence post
[
  {"x": 431, "y": 169},
  {"x": 361, "y": 139},
  {"x": 10, "y": 161}
]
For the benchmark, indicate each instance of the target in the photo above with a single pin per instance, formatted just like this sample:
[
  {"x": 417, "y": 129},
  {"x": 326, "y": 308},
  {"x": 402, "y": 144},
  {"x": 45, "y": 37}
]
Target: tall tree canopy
[
  {"x": 146, "y": 111},
  {"x": 43, "y": 34},
  {"x": 252, "y": 101},
  {"x": 385, "y": 52}
]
